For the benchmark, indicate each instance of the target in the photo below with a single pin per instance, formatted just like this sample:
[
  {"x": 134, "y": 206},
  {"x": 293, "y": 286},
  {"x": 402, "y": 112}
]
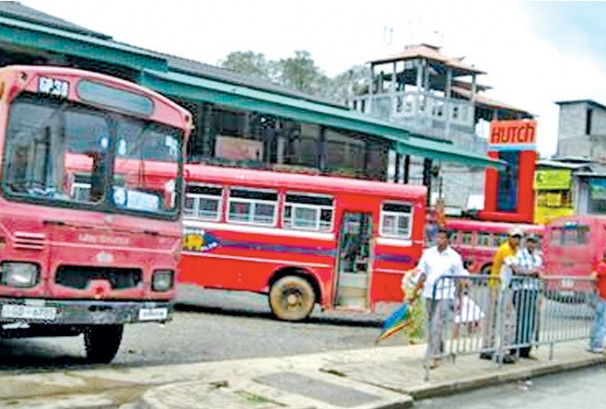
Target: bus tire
[
  {"x": 292, "y": 298},
  {"x": 102, "y": 342}
]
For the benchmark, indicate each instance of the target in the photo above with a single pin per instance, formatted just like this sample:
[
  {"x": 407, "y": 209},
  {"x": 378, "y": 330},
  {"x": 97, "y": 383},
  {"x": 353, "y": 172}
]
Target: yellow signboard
[
  {"x": 542, "y": 215},
  {"x": 552, "y": 179}
]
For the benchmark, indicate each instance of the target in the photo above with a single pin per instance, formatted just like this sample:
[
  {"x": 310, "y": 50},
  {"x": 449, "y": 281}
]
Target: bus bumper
[{"x": 82, "y": 312}]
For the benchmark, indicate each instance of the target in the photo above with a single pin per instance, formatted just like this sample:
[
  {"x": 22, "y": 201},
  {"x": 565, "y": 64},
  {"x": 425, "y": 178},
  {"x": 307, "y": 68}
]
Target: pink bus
[
  {"x": 479, "y": 240},
  {"x": 573, "y": 244}
]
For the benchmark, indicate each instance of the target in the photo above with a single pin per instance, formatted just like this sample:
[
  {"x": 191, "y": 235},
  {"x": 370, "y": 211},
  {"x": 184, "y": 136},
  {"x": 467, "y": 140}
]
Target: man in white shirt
[
  {"x": 527, "y": 268},
  {"x": 436, "y": 262}
]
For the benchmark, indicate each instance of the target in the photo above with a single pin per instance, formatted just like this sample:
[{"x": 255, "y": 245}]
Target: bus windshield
[{"x": 64, "y": 153}]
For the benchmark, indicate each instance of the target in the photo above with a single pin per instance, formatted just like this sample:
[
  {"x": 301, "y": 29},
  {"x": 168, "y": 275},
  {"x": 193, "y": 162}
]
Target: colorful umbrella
[{"x": 396, "y": 321}]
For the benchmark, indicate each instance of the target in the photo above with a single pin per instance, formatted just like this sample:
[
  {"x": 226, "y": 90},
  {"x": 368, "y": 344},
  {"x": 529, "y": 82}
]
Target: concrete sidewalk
[{"x": 381, "y": 377}]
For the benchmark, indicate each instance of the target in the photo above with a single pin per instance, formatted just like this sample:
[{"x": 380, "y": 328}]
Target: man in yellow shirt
[{"x": 506, "y": 249}]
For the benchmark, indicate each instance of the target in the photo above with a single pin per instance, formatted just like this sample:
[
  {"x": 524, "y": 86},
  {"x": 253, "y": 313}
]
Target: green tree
[
  {"x": 349, "y": 83},
  {"x": 249, "y": 63},
  {"x": 301, "y": 73}
]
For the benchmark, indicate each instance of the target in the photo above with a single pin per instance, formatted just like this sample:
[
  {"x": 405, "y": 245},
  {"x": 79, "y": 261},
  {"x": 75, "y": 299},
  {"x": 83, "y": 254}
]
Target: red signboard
[{"x": 513, "y": 135}]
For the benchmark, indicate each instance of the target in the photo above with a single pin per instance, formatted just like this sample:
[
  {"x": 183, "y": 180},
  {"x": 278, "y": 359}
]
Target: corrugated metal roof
[
  {"x": 210, "y": 71},
  {"x": 443, "y": 151},
  {"x": 47, "y": 23},
  {"x": 431, "y": 53},
  {"x": 42, "y": 37},
  {"x": 563, "y": 165},
  {"x": 14, "y": 9},
  {"x": 489, "y": 102}
]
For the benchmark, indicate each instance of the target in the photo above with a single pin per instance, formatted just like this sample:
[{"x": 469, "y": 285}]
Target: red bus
[
  {"x": 301, "y": 239},
  {"x": 87, "y": 243},
  {"x": 573, "y": 244},
  {"x": 478, "y": 241}
]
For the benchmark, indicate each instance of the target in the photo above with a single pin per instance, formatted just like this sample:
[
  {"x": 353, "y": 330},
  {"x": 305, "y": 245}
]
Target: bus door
[{"x": 354, "y": 261}]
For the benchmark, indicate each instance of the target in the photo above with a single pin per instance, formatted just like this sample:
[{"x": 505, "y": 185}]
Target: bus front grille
[{"x": 79, "y": 277}]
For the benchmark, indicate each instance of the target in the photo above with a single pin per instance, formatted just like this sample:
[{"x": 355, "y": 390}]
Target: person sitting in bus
[
  {"x": 527, "y": 266},
  {"x": 596, "y": 339}
]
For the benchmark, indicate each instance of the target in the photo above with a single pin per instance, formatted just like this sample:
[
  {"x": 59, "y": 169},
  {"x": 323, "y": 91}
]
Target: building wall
[{"x": 573, "y": 138}]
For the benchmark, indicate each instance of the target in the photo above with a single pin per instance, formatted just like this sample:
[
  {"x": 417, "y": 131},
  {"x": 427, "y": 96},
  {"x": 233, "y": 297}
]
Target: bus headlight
[
  {"x": 19, "y": 274},
  {"x": 162, "y": 280}
]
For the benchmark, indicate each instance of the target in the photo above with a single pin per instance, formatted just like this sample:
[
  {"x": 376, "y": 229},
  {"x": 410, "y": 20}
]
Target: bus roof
[
  {"x": 34, "y": 70},
  {"x": 300, "y": 182},
  {"x": 488, "y": 226},
  {"x": 560, "y": 221}
]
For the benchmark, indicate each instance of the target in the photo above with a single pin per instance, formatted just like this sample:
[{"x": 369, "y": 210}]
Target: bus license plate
[
  {"x": 28, "y": 312},
  {"x": 153, "y": 314}
]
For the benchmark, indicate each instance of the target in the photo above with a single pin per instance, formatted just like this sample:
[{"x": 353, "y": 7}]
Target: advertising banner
[
  {"x": 513, "y": 135},
  {"x": 552, "y": 179}
]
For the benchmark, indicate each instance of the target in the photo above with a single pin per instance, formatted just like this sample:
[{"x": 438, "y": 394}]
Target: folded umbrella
[{"x": 396, "y": 321}]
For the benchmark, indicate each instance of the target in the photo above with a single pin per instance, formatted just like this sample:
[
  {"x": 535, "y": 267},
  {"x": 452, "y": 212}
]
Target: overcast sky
[{"x": 534, "y": 53}]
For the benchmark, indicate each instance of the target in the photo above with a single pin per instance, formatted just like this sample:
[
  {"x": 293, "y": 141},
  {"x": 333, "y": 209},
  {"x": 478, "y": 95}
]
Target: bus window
[
  {"x": 307, "y": 212},
  {"x": 498, "y": 239},
  {"x": 252, "y": 206},
  {"x": 570, "y": 235},
  {"x": 203, "y": 202},
  {"x": 467, "y": 236},
  {"x": 582, "y": 235},
  {"x": 396, "y": 220},
  {"x": 484, "y": 239},
  {"x": 556, "y": 236},
  {"x": 454, "y": 238}
]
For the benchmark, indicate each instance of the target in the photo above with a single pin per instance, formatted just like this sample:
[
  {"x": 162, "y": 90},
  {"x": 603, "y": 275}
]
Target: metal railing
[{"x": 484, "y": 315}]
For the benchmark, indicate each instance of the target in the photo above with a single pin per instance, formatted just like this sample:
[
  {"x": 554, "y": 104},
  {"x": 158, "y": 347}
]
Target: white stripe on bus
[
  {"x": 394, "y": 242},
  {"x": 387, "y": 270},
  {"x": 274, "y": 231},
  {"x": 256, "y": 260}
]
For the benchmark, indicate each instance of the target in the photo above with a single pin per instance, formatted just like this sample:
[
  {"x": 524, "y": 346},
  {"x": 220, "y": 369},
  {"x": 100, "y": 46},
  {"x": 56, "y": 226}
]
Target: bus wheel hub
[{"x": 292, "y": 300}]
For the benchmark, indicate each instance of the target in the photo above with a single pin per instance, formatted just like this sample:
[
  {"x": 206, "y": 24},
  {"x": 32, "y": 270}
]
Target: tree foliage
[
  {"x": 300, "y": 72},
  {"x": 249, "y": 63}
]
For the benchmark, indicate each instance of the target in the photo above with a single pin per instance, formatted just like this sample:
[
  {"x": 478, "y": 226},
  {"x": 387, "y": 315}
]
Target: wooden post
[
  {"x": 371, "y": 88},
  {"x": 206, "y": 137},
  {"x": 406, "y": 169},
  {"x": 322, "y": 150},
  {"x": 396, "y": 175},
  {"x": 427, "y": 164}
]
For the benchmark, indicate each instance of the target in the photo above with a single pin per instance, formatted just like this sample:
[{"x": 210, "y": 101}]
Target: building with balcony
[{"x": 439, "y": 96}]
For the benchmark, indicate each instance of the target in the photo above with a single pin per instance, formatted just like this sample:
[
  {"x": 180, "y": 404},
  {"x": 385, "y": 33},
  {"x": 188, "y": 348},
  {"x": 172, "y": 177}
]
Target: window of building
[
  {"x": 203, "y": 202},
  {"x": 588, "y": 119},
  {"x": 396, "y": 220},
  {"x": 308, "y": 212},
  {"x": 252, "y": 206}
]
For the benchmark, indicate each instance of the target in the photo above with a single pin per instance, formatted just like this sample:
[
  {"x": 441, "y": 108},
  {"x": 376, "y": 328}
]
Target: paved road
[
  {"x": 583, "y": 389},
  {"x": 213, "y": 326}
]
